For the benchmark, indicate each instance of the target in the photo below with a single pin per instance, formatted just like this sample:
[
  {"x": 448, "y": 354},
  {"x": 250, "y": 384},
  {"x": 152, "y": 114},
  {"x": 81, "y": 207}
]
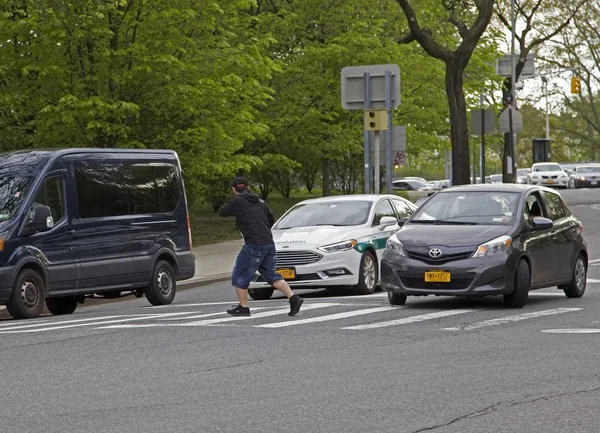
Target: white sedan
[
  {"x": 335, "y": 242},
  {"x": 548, "y": 174}
]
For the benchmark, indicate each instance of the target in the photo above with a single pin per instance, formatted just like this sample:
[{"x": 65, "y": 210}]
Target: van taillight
[{"x": 189, "y": 227}]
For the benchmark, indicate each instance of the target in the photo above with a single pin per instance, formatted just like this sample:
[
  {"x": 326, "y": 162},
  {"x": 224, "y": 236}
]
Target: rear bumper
[{"x": 187, "y": 265}]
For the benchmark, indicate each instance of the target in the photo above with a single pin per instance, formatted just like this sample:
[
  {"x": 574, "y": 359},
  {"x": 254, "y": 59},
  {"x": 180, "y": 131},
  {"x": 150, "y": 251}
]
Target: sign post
[{"x": 368, "y": 88}]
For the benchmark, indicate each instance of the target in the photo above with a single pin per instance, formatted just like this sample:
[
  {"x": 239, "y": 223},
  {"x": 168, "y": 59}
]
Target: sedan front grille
[
  {"x": 550, "y": 177},
  {"x": 297, "y": 258},
  {"x": 445, "y": 258},
  {"x": 454, "y": 284}
]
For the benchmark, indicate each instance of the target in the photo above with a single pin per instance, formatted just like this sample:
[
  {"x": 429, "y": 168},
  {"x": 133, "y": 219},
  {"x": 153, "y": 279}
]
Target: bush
[{"x": 402, "y": 194}]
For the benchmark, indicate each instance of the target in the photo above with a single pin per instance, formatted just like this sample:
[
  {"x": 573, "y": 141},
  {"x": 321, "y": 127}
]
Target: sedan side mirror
[
  {"x": 386, "y": 222},
  {"x": 42, "y": 219},
  {"x": 541, "y": 223}
]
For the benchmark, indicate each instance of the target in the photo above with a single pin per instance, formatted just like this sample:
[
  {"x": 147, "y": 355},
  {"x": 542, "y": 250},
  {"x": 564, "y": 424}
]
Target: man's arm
[
  {"x": 229, "y": 209},
  {"x": 270, "y": 216}
]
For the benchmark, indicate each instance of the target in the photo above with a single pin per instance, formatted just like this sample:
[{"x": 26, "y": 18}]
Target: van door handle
[{"x": 70, "y": 232}]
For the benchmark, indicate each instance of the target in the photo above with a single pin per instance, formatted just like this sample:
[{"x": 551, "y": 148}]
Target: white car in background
[
  {"x": 548, "y": 174},
  {"x": 334, "y": 242}
]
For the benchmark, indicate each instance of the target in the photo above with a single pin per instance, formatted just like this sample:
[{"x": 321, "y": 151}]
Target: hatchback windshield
[
  {"x": 473, "y": 207},
  {"x": 330, "y": 213},
  {"x": 547, "y": 167},
  {"x": 12, "y": 192},
  {"x": 588, "y": 169}
]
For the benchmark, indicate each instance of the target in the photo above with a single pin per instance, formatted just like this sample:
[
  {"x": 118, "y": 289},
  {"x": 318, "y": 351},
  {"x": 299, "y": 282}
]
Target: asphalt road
[{"x": 344, "y": 364}]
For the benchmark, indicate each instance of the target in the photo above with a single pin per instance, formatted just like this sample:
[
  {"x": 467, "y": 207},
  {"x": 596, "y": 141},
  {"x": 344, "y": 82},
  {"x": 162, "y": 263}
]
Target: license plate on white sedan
[{"x": 287, "y": 273}]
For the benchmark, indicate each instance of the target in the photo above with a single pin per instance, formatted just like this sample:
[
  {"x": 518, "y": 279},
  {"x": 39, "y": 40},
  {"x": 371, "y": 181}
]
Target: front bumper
[
  {"x": 561, "y": 183},
  {"x": 326, "y": 272},
  {"x": 469, "y": 277}
]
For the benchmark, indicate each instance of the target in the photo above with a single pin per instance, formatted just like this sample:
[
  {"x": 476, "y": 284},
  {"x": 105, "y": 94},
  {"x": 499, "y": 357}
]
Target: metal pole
[
  {"x": 513, "y": 88},
  {"x": 389, "y": 135},
  {"x": 475, "y": 165},
  {"x": 511, "y": 159},
  {"x": 545, "y": 80},
  {"x": 377, "y": 188},
  {"x": 367, "y": 157},
  {"x": 482, "y": 149}
]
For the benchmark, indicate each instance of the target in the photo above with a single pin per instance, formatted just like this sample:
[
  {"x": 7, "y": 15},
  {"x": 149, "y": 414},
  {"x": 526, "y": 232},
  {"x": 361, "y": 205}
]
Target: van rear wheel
[
  {"x": 27, "y": 297},
  {"x": 60, "y": 306},
  {"x": 161, "y": 290}
]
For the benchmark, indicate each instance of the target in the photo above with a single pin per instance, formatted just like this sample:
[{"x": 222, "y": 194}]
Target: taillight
[{"x": 189, "y": 227}]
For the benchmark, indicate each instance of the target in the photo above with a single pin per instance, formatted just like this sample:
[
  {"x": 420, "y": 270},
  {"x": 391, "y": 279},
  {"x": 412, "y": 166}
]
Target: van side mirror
[
  {"x": 541, "y": 223},
  {"x": 42, "y": 219}
]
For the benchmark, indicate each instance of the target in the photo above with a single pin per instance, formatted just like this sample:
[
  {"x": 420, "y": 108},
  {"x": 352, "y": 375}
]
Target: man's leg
[
  {"x": 244, "y": 270},
  {"x": 267, "y": 270},
  {"x": 283, "y": 287},
  {"x": 242, "y": 296}
]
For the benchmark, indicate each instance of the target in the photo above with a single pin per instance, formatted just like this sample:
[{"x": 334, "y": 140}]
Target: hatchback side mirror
[
  {"x": 541, "y": 223},
  {"x": 402, "y": 221}
]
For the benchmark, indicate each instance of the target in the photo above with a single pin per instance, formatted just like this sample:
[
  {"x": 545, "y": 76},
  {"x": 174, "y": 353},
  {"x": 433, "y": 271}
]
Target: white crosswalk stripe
[
  {"x": 511, "y": 319},
  {"x": 411, "y": 319},
  {"x": 336, "y": 316}
]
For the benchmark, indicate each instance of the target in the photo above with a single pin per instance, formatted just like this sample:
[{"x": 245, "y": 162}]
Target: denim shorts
[{"x": 253, "y": 258}]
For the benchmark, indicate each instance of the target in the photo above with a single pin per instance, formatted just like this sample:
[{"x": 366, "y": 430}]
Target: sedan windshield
[
  {"x": 473, "y": 207},
  {"x": 588, "y": 169},
  {"x": 547, "y": 167},
  {"x": 330, "y": 213},
  {"x": 12, "y": 192}
]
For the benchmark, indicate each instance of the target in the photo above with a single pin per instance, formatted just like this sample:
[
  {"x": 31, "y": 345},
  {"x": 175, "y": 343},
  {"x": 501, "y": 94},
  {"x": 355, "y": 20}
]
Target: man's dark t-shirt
[{"x": 253, "y": 217}]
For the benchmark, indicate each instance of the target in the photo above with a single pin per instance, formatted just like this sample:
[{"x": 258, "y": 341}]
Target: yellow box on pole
[{"x": 376, "y": 119}]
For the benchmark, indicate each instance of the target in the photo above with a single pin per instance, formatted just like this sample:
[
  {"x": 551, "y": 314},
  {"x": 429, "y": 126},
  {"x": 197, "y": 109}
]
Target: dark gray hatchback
[{"x": 478, "y": 240}]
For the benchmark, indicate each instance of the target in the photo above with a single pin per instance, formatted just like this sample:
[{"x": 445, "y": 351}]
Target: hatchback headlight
[
  {"x": 340, "y": 246},
  {"x": 394, "y": 247},
  {"x": 494, "y": 247}
]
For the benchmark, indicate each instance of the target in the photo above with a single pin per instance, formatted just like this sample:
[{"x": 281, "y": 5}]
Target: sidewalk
[{"x": 213, "y": 263}]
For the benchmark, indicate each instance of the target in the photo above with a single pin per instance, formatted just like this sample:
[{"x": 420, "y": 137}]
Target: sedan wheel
[
  {"x": 368, "y": 275},
  {"x": 576, "y": 287}
]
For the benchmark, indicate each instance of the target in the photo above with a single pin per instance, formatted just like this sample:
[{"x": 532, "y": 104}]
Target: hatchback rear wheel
[
  {"x": 396, "y": 298},
  {"x": 260, "y": 294},
  {"x": 576, "y": 287}
]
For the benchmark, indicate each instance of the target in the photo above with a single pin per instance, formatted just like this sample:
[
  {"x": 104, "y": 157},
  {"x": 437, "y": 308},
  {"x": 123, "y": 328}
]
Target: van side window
[
  {"x": 101, "y": 192},
  {"x": 153, "y": 188},
  {"x": 51, "y": 194}
]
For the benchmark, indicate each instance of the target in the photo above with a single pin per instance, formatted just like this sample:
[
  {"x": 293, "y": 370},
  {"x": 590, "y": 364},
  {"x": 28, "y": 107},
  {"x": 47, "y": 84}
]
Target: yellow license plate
[
  {"x": 437, "y": 277},
  {"x": 287, "y": 274},
  {"x": 550, "y": 181}
]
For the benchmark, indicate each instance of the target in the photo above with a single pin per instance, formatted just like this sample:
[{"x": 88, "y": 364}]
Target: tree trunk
[
  {"x": 458, "y": 123},
  {"x": 326, "y": 182}
]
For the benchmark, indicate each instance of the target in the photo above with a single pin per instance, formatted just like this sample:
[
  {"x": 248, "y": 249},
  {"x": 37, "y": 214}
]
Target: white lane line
[
  {"x": 25, "y": 325},
  {"x": 594, "y": 261},
  {"x": 572, "y": 331},
  {"x": 217, "y": 322},
  {"x": 200, "y": 316},
  {"x": 511, "y": 319},
  {"x": 591, "y": 280},
  {"x": 411, "y": 319},
  {"x": 98, "y": 321},
  {"x": 327, "y": 318}
]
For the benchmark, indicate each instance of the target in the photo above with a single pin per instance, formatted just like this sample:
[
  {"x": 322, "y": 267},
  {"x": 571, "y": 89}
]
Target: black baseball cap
[{"x": 240, "y": 182}]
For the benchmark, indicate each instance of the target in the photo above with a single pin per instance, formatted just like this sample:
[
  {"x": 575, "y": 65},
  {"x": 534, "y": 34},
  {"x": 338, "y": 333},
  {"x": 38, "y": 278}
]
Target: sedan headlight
[
  {"x": 340, "y": 246},
  {"x": 493, "y": 247},
  {"x": 581, "y": 178},
  {"x": 394, "y": 247}
]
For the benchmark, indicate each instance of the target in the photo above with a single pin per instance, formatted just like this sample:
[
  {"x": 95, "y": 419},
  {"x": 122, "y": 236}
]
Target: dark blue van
[{"x": 81, "y": 222}]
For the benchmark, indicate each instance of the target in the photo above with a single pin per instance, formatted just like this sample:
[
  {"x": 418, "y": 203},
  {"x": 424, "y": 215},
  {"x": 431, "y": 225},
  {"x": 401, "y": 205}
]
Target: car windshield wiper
[
  {"x": 450, "y": 221},
  {"x": 334, "y": 225}
]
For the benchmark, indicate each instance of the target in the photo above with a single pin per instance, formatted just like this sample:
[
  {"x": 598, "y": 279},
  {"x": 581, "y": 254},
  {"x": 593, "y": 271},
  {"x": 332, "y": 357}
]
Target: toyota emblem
[{"x": 435, "y": 252}]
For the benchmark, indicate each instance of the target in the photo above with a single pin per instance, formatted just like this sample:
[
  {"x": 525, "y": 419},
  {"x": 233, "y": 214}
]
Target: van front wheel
[
  {"x": 59, "y": 306},
  {"x": 27, "y": 297},
  {"x": 161, "y": 290}
]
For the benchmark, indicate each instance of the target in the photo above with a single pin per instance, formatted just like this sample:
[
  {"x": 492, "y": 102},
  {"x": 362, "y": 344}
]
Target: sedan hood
[
  {"x": 317, "y": 235},
  {"x": 449, "y": 235}
]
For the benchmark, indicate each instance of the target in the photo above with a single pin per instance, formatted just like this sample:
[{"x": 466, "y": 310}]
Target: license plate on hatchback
[
  {"x": 437, "y": 277},
  {"x": 287, "y": 273}
]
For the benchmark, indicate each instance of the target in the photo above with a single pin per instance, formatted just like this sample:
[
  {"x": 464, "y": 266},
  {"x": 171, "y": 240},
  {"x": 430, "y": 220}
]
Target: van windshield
[{"x": 13, "y": 190}]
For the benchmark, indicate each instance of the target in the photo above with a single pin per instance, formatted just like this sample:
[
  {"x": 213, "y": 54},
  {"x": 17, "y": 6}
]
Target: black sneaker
[
  {"x": 295, "y": 304},
  {"x": 238, "y": 310}
]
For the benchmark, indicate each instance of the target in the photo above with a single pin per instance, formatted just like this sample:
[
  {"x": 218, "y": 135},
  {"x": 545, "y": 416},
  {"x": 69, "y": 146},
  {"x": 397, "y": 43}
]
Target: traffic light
[
  {"x": 376, "y": 119},
  {"x": 575, "y": 85}
]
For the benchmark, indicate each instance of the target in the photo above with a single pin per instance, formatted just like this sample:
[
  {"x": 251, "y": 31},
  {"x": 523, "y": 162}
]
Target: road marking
[
  {"x": 411, "y": 319},
  {"x": 510, "y": 319},
  {"x": 572, "y": 331},
  {"x": 594, "y": 261},
  {"x": 90, "y": 322},
  {"x": 200, "y": 316},
  {"x": 217, "y": 322},
  {"x": 592, "y": 281},
  {"x": 328, "y": 317},
  {"x": 18, "y": 324}
]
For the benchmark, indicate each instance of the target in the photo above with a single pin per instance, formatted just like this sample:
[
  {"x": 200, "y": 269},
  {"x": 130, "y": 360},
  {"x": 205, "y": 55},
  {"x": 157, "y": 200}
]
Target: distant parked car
[
  {"x": 496, "y": 178},
  {"x": 585, "y": 176},
  {"x": 523, "y": 175},
  {"x": 414, "y": 188}
]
